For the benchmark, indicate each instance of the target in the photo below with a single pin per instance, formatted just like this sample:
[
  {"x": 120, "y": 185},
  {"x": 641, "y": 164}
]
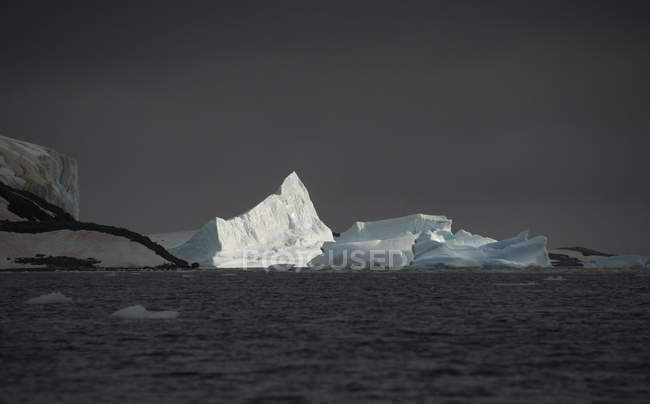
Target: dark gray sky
[{"x": 501, "y": 115}]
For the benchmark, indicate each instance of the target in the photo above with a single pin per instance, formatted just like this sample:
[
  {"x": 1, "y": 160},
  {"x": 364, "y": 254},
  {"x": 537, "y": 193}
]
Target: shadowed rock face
[
  {"x": 587, "y": 252},
  {"x": 42, "y": 171},
  {"x": 28, "y": 206}
]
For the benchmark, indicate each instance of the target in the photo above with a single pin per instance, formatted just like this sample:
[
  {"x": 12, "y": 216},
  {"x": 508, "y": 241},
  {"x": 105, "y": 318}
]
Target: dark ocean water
[{"x": 439, "y": 336}]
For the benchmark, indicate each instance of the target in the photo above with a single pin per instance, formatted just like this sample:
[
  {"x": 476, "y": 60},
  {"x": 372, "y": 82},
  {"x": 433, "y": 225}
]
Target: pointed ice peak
[
  {"x": 283, "y": 228},
  {"x": 292, "y": 185}
]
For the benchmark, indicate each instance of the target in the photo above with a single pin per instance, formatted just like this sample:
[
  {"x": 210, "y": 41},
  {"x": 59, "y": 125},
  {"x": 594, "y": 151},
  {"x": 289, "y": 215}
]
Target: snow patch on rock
[{"x": 112, "y": 251}]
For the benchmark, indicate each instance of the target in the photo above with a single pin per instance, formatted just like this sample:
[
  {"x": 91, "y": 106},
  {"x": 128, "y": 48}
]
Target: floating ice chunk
[
  {"x": 619, "y": 261},
  {"x": 555, "y": 278},
  {"x": 50, "y": 298},
  {"x": 472, "y": 251},
  {"x": 383, "y": 243},
  {"x": 516, "y": 283},
  {"x": 138, "y": 312},
  {"x": 426, "y": 241}
]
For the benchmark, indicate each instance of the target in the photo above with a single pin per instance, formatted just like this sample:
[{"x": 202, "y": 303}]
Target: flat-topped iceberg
[
  {"x": 426, "y": 241},
  {"x": 620, "y": 261},
  {"x": 282, "y": 229}
]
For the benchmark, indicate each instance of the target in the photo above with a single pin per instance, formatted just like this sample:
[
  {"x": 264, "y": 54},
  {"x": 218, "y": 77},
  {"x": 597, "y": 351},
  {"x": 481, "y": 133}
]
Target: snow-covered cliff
[
  {"x": 41, "y": 171},
  {"x": 282, "y": 229},
  {"x": 38, "y": 208}
]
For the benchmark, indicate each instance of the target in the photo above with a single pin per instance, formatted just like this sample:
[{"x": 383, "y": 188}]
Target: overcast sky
[{"x": 501, "y": 115}]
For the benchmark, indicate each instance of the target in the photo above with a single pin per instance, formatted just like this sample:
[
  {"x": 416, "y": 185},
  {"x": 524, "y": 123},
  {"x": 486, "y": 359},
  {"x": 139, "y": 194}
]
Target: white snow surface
[
  {"x": 282, "y": 229},
  {"x": 41, "y": 171},
  {"x": 619, "y": 261},
  {"x": 50, "y": 298},
  {"x": 113, "y": 251},
  {"x": 426, "y": 241},
  {"x": 138, "y": 312}
]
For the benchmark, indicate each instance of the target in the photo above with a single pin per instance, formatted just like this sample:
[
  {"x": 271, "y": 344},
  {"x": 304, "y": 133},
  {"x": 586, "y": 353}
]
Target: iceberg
[
  {"x": 426, "y": 241},
  {"x": 138, "y": 312},
  {"x": 50, "y": 298},
  {"x": 283, "y": 229},
  {"x": 620, "y": 261},
  {"x": 383, "y": 243},
  {"x": 518, "y": 251}
]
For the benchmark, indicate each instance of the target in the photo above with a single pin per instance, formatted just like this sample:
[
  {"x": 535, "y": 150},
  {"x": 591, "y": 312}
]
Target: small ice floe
[
  {"x": 50, "y": 298},
  {"x": 620, "y": 262},
  {"x": 555, "y": 278},
  {"x": 138, "y": 312},
  {"x": 516, "y": 284}
]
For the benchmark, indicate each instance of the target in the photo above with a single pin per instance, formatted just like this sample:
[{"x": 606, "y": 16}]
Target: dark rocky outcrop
[
  {"x": 28, "y": 206},
  {"x": 586, "y": 251},
  {"x": 42, "y": 217},
  {"x": 564, "y": 260}
]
